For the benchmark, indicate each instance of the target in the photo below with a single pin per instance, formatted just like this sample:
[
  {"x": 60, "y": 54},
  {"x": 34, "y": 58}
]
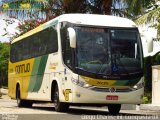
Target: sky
[{"x": 10, "y": 29}]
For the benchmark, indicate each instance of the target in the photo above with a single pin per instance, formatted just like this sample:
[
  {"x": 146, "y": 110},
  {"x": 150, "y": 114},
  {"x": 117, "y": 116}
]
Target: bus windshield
[{"x": 109, "y": 51}]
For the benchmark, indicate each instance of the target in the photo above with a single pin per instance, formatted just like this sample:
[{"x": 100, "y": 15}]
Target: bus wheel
[
  {"x": 20, "y": 102},
  {"x": 114, "y": 108},
  {"x": 59, "y": 106}
]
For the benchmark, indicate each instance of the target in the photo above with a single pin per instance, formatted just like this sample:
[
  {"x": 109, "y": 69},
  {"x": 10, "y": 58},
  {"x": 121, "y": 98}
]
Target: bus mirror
[
  {"x": 72, "y": 37},
  {"x": 150, "y": 45}
]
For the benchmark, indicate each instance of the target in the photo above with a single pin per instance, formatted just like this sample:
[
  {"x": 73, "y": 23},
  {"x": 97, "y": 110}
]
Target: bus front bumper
[{"x": 84, "y": 95}]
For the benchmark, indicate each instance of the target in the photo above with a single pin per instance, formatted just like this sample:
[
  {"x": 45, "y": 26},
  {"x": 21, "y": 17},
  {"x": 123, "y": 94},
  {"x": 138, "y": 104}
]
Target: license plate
[{"x": 111, "y": 97}]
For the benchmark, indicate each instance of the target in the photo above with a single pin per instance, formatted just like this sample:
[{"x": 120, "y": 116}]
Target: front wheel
[
  {"x": 114, "y": 108},
  {"x": 59, "y": 106}
]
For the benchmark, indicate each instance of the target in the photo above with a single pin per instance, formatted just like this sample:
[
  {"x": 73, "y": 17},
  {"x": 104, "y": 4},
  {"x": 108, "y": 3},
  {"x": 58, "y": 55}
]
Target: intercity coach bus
[{"x": 78, "y": 59}]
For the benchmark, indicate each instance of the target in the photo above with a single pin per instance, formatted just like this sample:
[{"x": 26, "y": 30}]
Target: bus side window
[
  {"x": 66, "y": 49},
  {"x": 52, "y": 40},
  {"x": 13, "y": 53}
]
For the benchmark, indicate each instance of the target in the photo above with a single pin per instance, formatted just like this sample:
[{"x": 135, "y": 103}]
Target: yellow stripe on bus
[{"x": 99, "y": 82}]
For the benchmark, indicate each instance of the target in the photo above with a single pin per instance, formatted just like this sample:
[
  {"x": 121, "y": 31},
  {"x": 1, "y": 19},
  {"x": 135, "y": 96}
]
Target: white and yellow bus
[{"x": 78, "y": 59}]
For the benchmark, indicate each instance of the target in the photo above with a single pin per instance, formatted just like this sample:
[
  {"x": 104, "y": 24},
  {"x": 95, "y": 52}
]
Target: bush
[
  {"x": 148, "y": 63},
  {"x": 4, "y": 57},
  {"x": 147, "y": 98},
  {"x": 148, "y": 74}
]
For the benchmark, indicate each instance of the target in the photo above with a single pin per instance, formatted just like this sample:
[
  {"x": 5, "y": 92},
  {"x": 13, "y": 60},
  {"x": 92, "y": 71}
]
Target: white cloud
[
  {"x": 10, "y": 29},
  {"x": 4, "y": 39}
]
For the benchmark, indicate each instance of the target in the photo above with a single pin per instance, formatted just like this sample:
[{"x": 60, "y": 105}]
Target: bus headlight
[
  {"x": 138, "y": 86},
  {"x": 81, "y": 83}
]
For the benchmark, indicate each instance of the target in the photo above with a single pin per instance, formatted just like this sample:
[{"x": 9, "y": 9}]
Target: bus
[{"x": 78, "y": 59}]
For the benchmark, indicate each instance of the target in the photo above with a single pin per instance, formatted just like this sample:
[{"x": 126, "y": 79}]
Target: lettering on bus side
[
  {"x": 102, "y": 83},
  {"x": 23, "y": 68}
]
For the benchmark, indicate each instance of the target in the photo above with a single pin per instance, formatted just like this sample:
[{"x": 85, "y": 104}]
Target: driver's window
[{"x": 66, "y": 49}]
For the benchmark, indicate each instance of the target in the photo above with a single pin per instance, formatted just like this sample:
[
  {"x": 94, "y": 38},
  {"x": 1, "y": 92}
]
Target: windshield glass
[
  {"x": 125, "y": 51},
  {"x": 108, "y": 51}
]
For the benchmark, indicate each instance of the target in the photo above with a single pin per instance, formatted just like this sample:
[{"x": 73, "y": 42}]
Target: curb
[{"x": 151, "y": 107}]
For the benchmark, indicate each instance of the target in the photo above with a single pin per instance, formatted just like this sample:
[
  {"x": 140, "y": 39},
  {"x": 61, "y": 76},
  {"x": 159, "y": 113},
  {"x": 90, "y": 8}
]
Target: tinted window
[
  {"x": 39, "y": 44},
  {"x": 66, "y": 49}
]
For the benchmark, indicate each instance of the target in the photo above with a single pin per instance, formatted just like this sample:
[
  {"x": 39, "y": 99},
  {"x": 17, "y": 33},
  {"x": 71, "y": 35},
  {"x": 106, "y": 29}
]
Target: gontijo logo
[{"x": 23, "y": 68}]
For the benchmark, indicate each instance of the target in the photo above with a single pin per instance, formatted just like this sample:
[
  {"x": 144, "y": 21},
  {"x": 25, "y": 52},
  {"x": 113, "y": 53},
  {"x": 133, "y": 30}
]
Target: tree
[
  {"x": 52, "y": 8},
  {"x": 4, "y": 57},
  {"x": 47, "y": 8},
  {"x": 24, "y": 9},
  {"x": 137, "y": 7},
  {"x": 151, "y": 16},
  {"x": 58, "y": 7},
  {"x": 99, "y": 6}
]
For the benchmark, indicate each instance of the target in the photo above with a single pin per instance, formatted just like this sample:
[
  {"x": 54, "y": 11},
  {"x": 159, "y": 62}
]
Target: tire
[
  {"x": 59, "y": 106},
  {"x": 114, "y": 108},
  {"x": 20, "y": 102}
]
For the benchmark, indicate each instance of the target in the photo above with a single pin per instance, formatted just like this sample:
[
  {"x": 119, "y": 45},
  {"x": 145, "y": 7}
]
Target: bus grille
[{"x": 108, "y": 89}]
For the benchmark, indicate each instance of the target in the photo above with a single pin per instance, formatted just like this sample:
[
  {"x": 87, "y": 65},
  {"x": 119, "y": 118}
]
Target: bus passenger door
[
  {"x": 67, "y": 85},
  {"x": 67, "y": 60}
]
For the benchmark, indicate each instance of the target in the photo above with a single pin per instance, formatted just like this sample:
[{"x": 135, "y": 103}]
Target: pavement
[
  {"x": 3, "y": 93},
  {"x": 150, "y": 108}
]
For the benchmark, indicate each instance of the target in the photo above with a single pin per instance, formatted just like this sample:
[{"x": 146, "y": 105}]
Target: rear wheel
[
  {"x": 59, "y": 106},
  {"x": 114, "y": 108},
  {"x": 20, "y": 102}
]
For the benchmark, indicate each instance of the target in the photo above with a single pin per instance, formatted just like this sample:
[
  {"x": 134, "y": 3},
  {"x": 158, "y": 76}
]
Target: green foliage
[
  {"x": 28, "y": 25},
  {"x": 151, "y": 16},
  {"x": 158, "y": 27},
  {"x": 148, "y": 74},
  {"x": 147, "y": 79},
  {"x": 4, "y": 57},
  {"x": 148, "y": 63},
  {"x": 157, "y": 59},
  {"x": 147, "y": 98},
  {"x": 135, "y": 6},
  {"x": 58, "y": 7}
]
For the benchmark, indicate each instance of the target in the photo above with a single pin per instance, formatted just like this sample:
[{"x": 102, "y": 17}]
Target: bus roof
[
  {"x": 98, "y": 20},
  {"x": 84, "y": 19}
]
